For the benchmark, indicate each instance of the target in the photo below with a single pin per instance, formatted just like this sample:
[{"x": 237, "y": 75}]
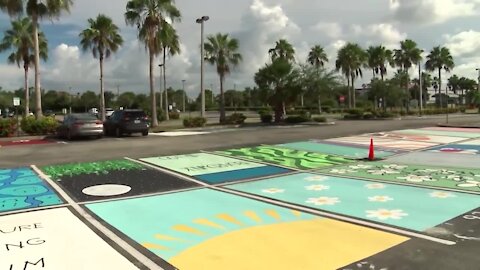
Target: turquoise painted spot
[
  {"x": 142, "y": 218},
  {"x": 4, "y": 177},
  {"x": 47, "y": 200},
  {"x": 27, "y": 180},
  {"x": 454, "y": 148},
  {"x": 332, "y": 149},
  {"x": 5, "y": 171},
  {"x": 26, "y": 190},
  {"x": 441, "y": 133},
  {"x": 224, "y": 177},
  {"x": 11, "y": 203},
  {"x": 414, "y": 208}
]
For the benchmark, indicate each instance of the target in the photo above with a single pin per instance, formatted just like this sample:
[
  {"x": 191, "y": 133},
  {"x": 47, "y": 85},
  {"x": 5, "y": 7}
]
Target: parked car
[
  {"x": 80, "y": 125},
  {"x": 127, "y": 122}
]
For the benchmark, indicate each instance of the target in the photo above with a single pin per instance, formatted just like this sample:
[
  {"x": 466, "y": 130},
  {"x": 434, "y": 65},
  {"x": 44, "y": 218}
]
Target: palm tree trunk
[
  {"x": 384, "y": 103},
  {"x": 38, "y": 93},
  {"x": 27, "y": 92},
  {"x": 354, "y": 99},
  {"x": 102, "y": 93},
  {"x": 440, "y": 87},
  {"x": 152, "y": 91},
  {"x": 407, "y": 90},
  {"x": 349, "y": 93},
  {"x": 319, "y": 104},
  {"x": 167, "y": 116},
  {"x": 222, "y": 100}
]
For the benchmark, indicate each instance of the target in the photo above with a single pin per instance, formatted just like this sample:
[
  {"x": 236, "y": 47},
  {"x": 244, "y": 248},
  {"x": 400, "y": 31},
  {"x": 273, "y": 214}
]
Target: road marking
[
  {"x": 94, "y": 222},
  {"x": 302, "y": 208}
]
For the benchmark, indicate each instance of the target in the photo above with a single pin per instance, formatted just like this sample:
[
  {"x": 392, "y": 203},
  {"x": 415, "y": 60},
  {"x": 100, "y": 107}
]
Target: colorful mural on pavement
[
  {"x": 22, "y": 188},
  {"x": 214, "y": 169},
  {"x": 415, "y": 137},
  {"x": 333, "y": 149},
  {"x": 383, "y": 143},
  {"x": 297, "y": 159},
  {"x": 452, "y": 178},
  {"x": 54, "y": 239},
  {"x": 452, "y": 133},
  {"x": 377, "y": 202},
  {"x": 457, "y": 149},
  {"x": 202, "y": 236}
]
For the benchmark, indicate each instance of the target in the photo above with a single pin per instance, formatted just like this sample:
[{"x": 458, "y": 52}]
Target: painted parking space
[
  {"x": 295, "y": 159},
  {"x": 440, "y": 177},
  {"x": 202, "y": 236},
  {"x": 54, "y": 239},
  {"x": 333, "y": 149},
  {"x": 438, "y": 159},
  {"x": 23, "y": 189},
  {"x": 452, "y": 133},
  {"x": 383, "y": 203},
  {"x": 383, "y": 143},
  {"x": 214, "y": 169},
  {"x": 415, "y": 137},
  {"x": 25, "y": 142},
  {"x": 112, "y": 179},
  {"x": 468, "y": 149}
]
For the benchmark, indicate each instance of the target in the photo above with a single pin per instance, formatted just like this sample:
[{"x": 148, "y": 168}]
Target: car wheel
[
  {"x": 145, "y": 133},
  {"x": 69, "y": 135},
  {"x": 118, "y": 132},
  {"x": 105, "y": 131}
]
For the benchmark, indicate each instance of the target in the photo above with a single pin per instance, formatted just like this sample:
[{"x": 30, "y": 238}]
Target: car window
[{"x": 138, "y": 114}]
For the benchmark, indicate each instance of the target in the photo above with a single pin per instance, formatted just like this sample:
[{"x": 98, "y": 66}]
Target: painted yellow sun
[{"x": 292, "y": 242}]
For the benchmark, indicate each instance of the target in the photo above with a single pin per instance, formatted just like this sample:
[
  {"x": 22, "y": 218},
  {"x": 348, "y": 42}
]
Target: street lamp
[
  {"x": 70, "y": 94},
  {"x": 183, "y": 86},
  {"x": 420, "y": 85},
  {"x": 202, "y": 61},
  {"x": 160, "y": 82}
]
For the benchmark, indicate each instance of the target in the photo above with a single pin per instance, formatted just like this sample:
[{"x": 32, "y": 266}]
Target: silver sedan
[{"x": 80, "y": 125}]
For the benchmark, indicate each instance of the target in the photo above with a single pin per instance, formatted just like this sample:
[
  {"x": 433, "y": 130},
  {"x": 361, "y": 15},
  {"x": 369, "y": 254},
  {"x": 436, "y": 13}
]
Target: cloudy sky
[{"x": 257, "y": 24}]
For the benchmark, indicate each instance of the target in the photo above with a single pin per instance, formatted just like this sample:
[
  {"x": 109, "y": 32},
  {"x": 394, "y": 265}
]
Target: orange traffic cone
[{"x": 371, "y": 152}]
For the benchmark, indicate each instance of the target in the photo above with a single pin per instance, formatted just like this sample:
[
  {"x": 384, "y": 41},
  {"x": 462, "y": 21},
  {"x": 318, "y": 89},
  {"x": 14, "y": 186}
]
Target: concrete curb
[{"x": 459, "y": 126}]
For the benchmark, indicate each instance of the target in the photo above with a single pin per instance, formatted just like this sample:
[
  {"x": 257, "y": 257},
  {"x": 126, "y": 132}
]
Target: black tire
[
  {"x": 69, "y": 135},
  {"x": 145, "y": 133},
  {"x": 105, "y": 131},
  {"x": 118, "y": 132}
]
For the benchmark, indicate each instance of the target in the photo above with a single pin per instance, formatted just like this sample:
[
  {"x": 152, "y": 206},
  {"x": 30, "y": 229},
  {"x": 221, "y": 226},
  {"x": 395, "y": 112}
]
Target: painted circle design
[{"x": 106, "y": 190}]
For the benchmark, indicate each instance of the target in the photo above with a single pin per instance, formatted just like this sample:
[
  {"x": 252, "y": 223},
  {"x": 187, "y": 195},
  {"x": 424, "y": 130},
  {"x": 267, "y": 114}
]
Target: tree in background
[
  {"x": 148, "y": 16},
  {"x": 102, "y": 38},
  {"x": 405, "y": 57},
  {"x": 438, "y": 59},
  {"x": 350, "y": 59},
  {"x": 317, "y": 57},
  {"x": 171, "y": 46},
  {"x": 283, "y": 50},
  {"x": 222, "y": 51},
  {"x": 20, "y": 39}
]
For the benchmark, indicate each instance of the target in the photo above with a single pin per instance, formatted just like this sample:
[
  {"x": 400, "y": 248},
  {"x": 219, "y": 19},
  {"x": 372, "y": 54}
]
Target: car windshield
[
  {"x": 135, "y": 114},
  {"x": 85, "y": 117}
]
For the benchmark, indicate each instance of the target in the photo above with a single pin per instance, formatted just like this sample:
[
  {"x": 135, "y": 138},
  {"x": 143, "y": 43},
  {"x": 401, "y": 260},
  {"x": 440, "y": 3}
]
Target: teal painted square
[
  {"x": 418, "y": 208},
  {"x": 332, "y": 149},
  {"x": 143, "y": 218},
  {"x": 23, "y": 189},
  {"x": 231, "y": 176}
]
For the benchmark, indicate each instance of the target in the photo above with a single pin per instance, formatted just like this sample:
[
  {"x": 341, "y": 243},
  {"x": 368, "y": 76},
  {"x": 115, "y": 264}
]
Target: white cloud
[
  {"x": 330, "y": 29},
  {"x": 432, "y": 11},
  {"x": 382, "y": 33},
  {"x": 463, "y": 44}
]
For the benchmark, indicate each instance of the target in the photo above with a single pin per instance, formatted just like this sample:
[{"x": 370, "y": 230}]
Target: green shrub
[
  {"x": 355, "y": 112},
  {"x": 43, "y": 126},
  {"x": 295, "y": 119},
  {"x": 174, "y": 115},
  {"x": 266, "y": 118},
  {"x": 386, "y": 115},
  {"x": 191, "y": 122},
  {"x": 320, "y": 119},
  {"x": 368, "y": 116},
  {"x": 353, "y": 116},
  {"x": 235, "y": 119},
  {"x": 8, "y": 127}
]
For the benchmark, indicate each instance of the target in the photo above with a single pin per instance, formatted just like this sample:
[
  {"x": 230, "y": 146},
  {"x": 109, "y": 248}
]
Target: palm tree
[
  {"x": 20, "y": 39},
  {"x": 408, "y": 55},
  {"x": 102, "y": 38},
  {"x": 350, "y": 59},
  {"x": 148, "y": 16},
  {"x": 317, "y": 57},
  {"x": 378, "y": 59},
  {"x": 222, "y": 51},
  {"x": 438, "y": 59},
  {"x": 170, "y": 46},
  {"x": 283, "y": 49},
  {"x": 36, "y": 10}
]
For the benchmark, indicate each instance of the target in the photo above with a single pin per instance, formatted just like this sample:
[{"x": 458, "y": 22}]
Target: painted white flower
[
  {"x": 375, "y": 186},
  {"x": 316, "y": 178},
  {"x": 394, "y": 167},
  {"x": 458, "y": 178},
  {"x": 360, "y": 166},
  {"x": 342, "y": 171},
  {"x": 273, "y": 190},
  {"x": 470, "y": 184},
  {"x": 417, "y": 178},
  {"x": 317, "y": 187},
  {"x": 447, "y": 172},
  {"x": 380, "y": 199},
  {"x": 384, "y": 214},
  {"x": 323, "y": 201},
  {"x": 441, "y": 195},
  {"x": 383, "y": 172}
]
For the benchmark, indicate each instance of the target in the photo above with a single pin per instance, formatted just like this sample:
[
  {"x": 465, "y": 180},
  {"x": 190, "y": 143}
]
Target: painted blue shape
[
  {"x": 456, "y": 148},
  {"x": 419, "y": 208},
  {"x": 230, "y": 176}
]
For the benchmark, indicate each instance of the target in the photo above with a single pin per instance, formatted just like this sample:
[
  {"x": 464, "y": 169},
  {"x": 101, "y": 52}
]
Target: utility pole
[
  {"x": 211, "y": 89},
  {"x": 202, "y": 21},
  {"x": 184, "y": 94},
  {"x": 420, "y": 85},
  {"x": 70, "y": 95},
  {"x": 161, "y": 94}
]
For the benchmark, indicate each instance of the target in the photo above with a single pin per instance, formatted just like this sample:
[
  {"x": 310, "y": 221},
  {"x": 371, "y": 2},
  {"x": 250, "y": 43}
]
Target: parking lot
[{"x": 301, "y": 204}]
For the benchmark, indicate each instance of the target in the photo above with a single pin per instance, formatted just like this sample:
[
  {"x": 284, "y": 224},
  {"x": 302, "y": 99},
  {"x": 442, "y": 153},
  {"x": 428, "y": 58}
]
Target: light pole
[
  {"x": 478, "y": 87},
  {"x": 420, "y": 85},
  {"x": 183, "y": 86},
  {"x": 70, "y": 94},
  {"x": 160, "y": 82},
  {"x": 201, "y": 21}
]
